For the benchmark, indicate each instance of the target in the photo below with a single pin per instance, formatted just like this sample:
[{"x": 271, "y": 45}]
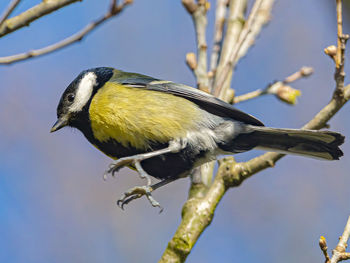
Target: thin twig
[
  {"x": 25, "y": 18},
  {"x": 235, "y": 23},
  {"x": 339, "y": 74},
  {"x": 220, "y": 15},
  {"x": 250, "y": 95},
  {"x": 258, "y": 17},
  {"x": 198, "y": 11},
  {"x": 339, "y": 31},
  {"x": 339, "y": 253},
  {"x": 261, "y": 19},
  {"x": 221, "y": 77},
  {"x": 113, "y": 11},
  {"x": 275, "y": 87},
  {"x": 323, "y": 246},
  {"x": 8, "y": 11}
]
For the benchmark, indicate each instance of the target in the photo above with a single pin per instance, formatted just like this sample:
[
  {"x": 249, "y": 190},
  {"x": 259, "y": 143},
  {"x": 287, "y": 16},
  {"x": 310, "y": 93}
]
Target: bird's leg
[
  {"x": 139, "y": 191},
  {"x": 174, "y": 147}
]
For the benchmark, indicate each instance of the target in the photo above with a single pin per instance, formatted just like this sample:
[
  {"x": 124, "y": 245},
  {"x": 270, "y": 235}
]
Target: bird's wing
[{"x": 202, "y": 99}]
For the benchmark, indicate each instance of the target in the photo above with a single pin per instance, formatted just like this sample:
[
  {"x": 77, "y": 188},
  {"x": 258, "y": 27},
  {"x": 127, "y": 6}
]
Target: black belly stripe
[{"x": 170, "y": 165}]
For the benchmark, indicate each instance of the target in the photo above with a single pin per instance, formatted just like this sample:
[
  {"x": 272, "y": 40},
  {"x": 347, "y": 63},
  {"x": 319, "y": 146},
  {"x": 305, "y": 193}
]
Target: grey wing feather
[{"x": 204, "y": 100}]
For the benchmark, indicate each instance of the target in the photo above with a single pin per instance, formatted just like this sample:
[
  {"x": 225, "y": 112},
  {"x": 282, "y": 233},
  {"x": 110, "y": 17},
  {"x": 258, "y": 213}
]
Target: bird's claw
[
  {"x": 135, "y": 193},
  {"x": 118, "y": 164},
  {"x": 138, "y": 191}
]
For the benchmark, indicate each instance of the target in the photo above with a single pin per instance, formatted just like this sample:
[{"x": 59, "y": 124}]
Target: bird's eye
[{"x": 70, "y": 97}]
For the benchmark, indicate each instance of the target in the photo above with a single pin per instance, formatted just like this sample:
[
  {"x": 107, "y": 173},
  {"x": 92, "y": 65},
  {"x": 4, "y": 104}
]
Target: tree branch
[
  {"x": 8, "y": 11},
  {"x": 261, "y": 19},
  {"x": 342, "y": 245},
  {"x": 235, "y": 23},
  {"x": 251, "y": 28},
  {"x": 220, "y": 16},
  {"x": 198, "y": 12},
  {"x": 279, "y": 88},
  {"x": 339, "y": 74},
  {"x": 323, "y": 246},
  {"x": 221, "y": 77},
  {"x": 25, "y": 18},
  {"x": 198, "y": 211},
  {"x": 339, "y": 253},
  {"x": 113, "y": 11}
]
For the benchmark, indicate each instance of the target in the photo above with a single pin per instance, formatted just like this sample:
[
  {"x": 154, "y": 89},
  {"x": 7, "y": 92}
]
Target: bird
[{"x": 164, "y": 130}]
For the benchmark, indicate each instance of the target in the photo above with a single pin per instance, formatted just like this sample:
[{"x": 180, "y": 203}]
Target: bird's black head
[{"x": 78, "y": 94}]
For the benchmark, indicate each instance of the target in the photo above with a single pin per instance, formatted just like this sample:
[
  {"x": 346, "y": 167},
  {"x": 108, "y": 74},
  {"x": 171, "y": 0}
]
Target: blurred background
[{"x": 54, "y": 205}]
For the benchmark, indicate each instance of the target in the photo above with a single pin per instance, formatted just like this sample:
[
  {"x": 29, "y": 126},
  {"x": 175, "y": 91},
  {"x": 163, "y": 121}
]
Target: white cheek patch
[{"x": 84, "y": 92}]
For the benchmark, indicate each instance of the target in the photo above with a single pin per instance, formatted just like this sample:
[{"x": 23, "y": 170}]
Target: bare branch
[
  {"x": 25, "y": 18},
  {"x": 339, "y": 31},
  {"x": 198, "y": 11},
  {"x": 345, "y": 237},
  {"x": 220, "y": 15},
  {"x": 301, "y": 73},
  {"x": 279, "y": 88},
  {"x": 323, "y": 246},
  {"x": 235, "y": 22},
  {"x": 113, "y": 11},
  {"x": 221, "y": 77},
  {"x": 339, "y": 253},
  {"x": 339, "y": 74},
  {"x": 262, "y": 18},
  {"x": 250, "y": 95},
  {"x": 8, "y": 11}
]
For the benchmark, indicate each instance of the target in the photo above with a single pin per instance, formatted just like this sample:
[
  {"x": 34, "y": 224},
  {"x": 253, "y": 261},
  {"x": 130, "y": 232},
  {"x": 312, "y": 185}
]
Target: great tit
[{"x": 165, "y": 129}]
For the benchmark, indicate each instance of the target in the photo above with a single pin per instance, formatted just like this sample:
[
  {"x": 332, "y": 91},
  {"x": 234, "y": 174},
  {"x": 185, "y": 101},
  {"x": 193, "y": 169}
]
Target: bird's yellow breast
[{"x": 135, "y": 117}]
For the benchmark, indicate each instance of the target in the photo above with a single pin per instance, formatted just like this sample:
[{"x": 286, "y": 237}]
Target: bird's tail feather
[{"x": 317, "y": 144}]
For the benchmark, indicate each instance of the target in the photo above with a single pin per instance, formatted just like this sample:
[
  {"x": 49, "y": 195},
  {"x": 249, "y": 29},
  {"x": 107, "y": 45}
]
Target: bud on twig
[
  {"x": 331, "y": 51},
  {"x": 191, "y": 60},
  {"x": 288, "y": 94},
  {"x": 323, "y": 243},
  {"x": 230, "y": 94},
  {"x": 284, "y": 92},
  {"x": 190, "y": 6},
  {"x": 306, "y": 71},
  {"x": 301, "y": 73}
]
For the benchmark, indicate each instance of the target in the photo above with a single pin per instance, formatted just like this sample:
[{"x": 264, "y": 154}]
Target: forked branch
[
  {"x": 8, "y": 11},
  {"x": 339, "y": 253},
  {"x": 199, "y": 210},
  {"x": 112, "y": 11},
  {"x": 280, "y": 89},
  {"x": 32, "y": 14}
]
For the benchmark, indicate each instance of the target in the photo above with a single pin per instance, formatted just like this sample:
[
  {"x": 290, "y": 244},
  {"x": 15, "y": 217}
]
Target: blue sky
[{"x": 54, "y": 205}]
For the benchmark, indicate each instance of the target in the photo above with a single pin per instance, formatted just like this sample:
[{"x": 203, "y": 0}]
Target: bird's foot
[
  {"x": 134, "y": 160},
  {"x": 174, "y": 147},
  {"x": 137, "y": 192}
]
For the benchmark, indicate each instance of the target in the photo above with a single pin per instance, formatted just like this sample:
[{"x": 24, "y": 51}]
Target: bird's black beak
[{"x": 60, "y": 123}]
